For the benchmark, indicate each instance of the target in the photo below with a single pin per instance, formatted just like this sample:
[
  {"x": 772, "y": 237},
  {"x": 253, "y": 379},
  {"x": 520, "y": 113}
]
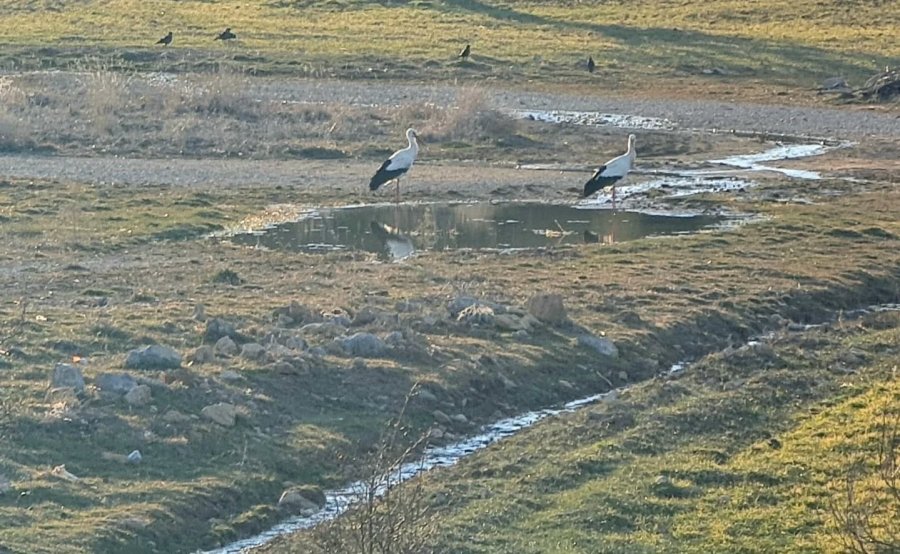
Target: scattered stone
[
  {"x": 476, "y": 314},
  {"x": 508, "y": 383},
  {"x": 547, "y": 308},
  {"x": 226, "y": 347},
  {"x": 339, "y": 319},
  {"x": 276, "y": 351},
  {"x": 318, "y": 351},
  {"x": 199, "y": 313},
  {"x": 394, "y": 338},
  {"x": 302, "y": 500},
  {"x": 222, "y": 413},
  {"x": 522, "y": 335},
  {"x": 204, "y": 354},
  {"x": 365, "y": 345},
  {"x": 117, "y": 383},
  {"x": 154, "y": 356},
  {"x": 364, "y": 316},
  {"x": 253, "y": 351},
  {"x": 67, "y": 375},
  {"x": 623, "y": 376},
  {"x": 359, "y": 364},
  {"x": 426, "y": 395},
  {"x": 217, "y": 328},
  {"x": 325, "y": 328},
  {"x": 283, "y": 320},
  {"x": 441, "y": 417},
  {"x": 436, "y": 433},
  {"x": 135, "y": 457},
  {"x": 459, "y": 418},
  {"x": 230, "y": 375},
  {"x": 140, "y": 395},
  {"x": 295, "y": 343},
  {"x": 510, "y": 322},
  {"x": 174, "y": 416},
  {"x": 604, "y": 347},
  {"x": 298, "y": 314}
]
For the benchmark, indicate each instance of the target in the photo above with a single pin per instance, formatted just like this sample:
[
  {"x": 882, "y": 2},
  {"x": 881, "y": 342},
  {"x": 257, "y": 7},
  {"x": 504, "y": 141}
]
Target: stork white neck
[
  {"x": 630, "y": 152},
  {"x": 413, "y": 144}
]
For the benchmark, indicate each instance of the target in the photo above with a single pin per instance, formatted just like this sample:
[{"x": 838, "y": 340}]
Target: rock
[
  {"x": 394, "y": 338},
  {"x": 283, "y": 320},
  {"x": 174, "y": 416},
  {"x": 135, "y": 457},
  {"x": 547, "y": 308},
  {"x": 510, "y": 322},
  {"x": 222, "y": 413},
  {"x": 199, "y": 313},
  {"x": 459, "y": 418},
  {"x": 359, "y": 364},
  {"x": 508, "y": 383},
  {"x": 339, "y": 319},
  {"x": 318, "y": 351},
  {"x": 230, "y": 375},
  {"x": 297, "y": 313},
  {"x": 476, "y": 314},
  {"x": 441, "y": 417},
  {"x": 67, "y": 375},
  {"x": 253, "y": 351},
  {"x": 522, "y": 335},
  {"x": 364, "y": 345},
  {"x": 426, "y": 395},
  {"x": 326, "y": 328},
  {"x": 364, "y": 316},
  {"x": 140, "y": 395},
  {"x": 154, "y": 356},
  {"x": 302, "y": 500},
  {"x": 226, "y": 347},
  {"x": 604, "y": 347},
  {"x": 204, "y": 354},
  {"x": 116, "y": 383},
  {"x": 295, "y": 343},
  {"x": 436, "y": 433},
  {"x": 276, "y": 351},
  {"x": 216, "y": 328},
  {"x": 623, "y": 376}
]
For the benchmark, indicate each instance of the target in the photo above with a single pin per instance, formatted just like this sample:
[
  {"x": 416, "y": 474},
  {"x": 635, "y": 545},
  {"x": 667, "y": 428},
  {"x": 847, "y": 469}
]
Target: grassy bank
[
  {"x": 748, "y": 451},
  {"x": 104, "y": 278},
  {"x": 693, "y": 45}
]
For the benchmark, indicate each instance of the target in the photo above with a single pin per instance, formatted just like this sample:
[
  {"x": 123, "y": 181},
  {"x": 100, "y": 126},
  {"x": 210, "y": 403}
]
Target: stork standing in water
[
  {"x": 398, "y": 164},
  {"x": 611, "y": 172}
]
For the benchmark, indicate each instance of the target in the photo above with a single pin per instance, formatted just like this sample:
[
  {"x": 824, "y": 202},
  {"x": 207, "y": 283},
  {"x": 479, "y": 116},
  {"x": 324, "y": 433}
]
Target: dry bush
[
  {"x": 106, "y": 93},
  {"x": 867, "y": 519},
  {"x": 387, "y": 518},
  {"x": 471, "y": 119}
]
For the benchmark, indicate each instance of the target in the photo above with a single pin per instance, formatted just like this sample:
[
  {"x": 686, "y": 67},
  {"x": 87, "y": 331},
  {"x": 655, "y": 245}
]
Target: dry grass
[{"x": 98, "y": 108}]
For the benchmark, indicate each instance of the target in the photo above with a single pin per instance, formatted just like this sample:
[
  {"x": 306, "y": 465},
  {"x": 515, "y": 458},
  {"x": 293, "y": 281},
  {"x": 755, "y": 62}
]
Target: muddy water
[{"x": 395, "y": 232}]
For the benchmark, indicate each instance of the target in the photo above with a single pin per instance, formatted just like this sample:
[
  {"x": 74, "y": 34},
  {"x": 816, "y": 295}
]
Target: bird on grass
[
  {"x": 591, "y": 65},
  {"x": 464, "y": 55},
  {"x": 398, "y": 164},
  {"x": 611, "y": 172},
  {"x": 166, "y": 40},
  {"x": 226, "y": 35}
]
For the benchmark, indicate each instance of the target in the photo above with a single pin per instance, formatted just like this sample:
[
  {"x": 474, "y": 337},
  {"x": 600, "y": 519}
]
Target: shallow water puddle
[
  {"x": 397, "y": 231},
  {"x": 623, "y": 121},
  {"x": 753, "y": 162}
]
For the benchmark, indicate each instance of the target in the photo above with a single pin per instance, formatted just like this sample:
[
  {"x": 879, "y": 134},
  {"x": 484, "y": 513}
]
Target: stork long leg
[
  {"x": 397, "y": 197},
  {"x": 614, "y": 197}
]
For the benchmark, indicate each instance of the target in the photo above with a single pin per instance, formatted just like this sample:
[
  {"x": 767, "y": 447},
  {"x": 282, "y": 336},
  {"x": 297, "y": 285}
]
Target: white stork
[
  {"x": 398, "y": 164},
  {"x": 610, "y": 172}
]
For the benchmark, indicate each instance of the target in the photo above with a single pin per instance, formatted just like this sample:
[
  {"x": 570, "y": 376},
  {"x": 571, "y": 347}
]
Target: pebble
[
  {"x": 154, "y": 356},
  {"x": 222, "y": 413},
  {"x": 141, "y": 395},
  {"x": 135, "y": 457},
  {"x": 67, "y": 375}
]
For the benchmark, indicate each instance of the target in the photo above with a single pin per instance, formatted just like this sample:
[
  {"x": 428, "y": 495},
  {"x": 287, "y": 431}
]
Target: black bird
[
  {"x": 166, "y": 40},
  {"x": 465, "y": 52},
  {"x": 591, "y": 65},
  {"x": 226, "y": 35}
]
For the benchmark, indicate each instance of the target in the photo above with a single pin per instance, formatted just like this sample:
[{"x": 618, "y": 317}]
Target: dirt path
[{"x": 342, "y": 176}]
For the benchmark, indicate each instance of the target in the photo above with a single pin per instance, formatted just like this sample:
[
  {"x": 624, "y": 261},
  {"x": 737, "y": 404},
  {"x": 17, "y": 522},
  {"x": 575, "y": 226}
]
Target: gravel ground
[{"x": 344, "y": 175}]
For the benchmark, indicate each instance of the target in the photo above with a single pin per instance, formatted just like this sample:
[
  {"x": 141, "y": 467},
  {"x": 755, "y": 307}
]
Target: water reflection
[{"x": 397, "y": 231}]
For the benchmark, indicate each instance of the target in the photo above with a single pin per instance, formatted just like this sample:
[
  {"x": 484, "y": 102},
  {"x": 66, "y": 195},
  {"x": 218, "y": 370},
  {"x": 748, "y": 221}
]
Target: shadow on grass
[{"x": 678, "y": 48}]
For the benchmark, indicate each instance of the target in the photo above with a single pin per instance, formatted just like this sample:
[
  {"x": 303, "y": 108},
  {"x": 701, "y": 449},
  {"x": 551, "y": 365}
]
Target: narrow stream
[{"x": 339, "y": 500}]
